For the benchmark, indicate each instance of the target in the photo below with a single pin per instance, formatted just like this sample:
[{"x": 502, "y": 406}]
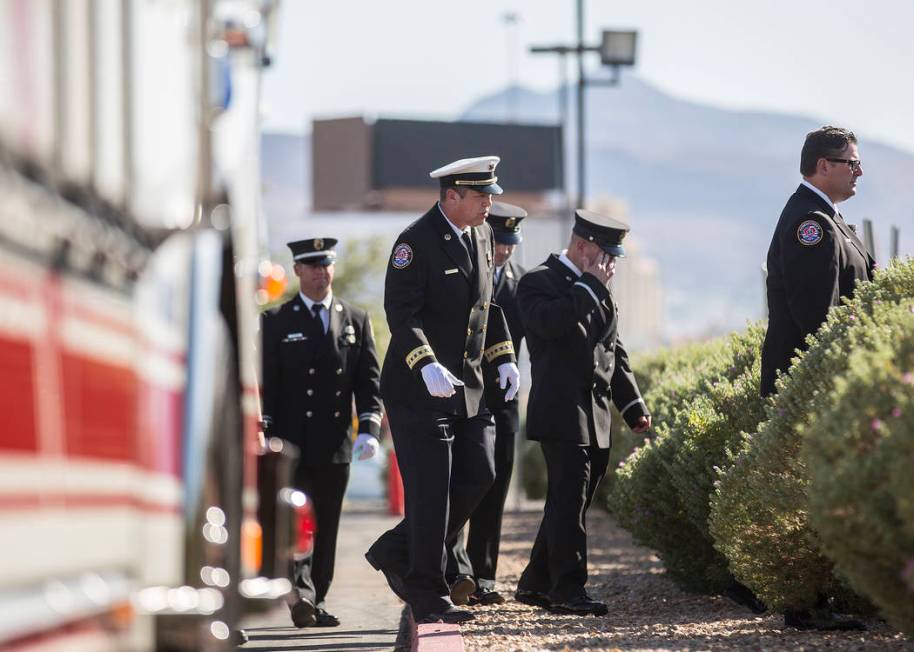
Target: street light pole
[
  {"x": 617, "y": 49},
  {"x": 581, "y": 166}
]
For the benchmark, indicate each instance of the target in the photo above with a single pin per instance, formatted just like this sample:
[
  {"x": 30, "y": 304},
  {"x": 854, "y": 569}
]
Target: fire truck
[{"x": 140, "y": 506}]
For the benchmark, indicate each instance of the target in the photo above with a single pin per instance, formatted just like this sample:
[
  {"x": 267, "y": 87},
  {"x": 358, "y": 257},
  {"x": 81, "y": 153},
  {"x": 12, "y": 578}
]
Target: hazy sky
[{"x": 845, "y": 62}]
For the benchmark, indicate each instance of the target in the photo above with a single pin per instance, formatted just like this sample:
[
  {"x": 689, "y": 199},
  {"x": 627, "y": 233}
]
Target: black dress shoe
[
  {"x": 822, "y": 620},
  {"x": 534, "y": 598},
  {"x": 580, "y": 606},
  {"x": 303, "y": 613},
  {"x": 324, "y": 619},
  {"x": 461, "y": 588},
  {"x": 486, "y": 596},
  {"x": 743, "y": 596},
  {"x": 451, "y": 615},
  {"x": 394, "y": 581}
]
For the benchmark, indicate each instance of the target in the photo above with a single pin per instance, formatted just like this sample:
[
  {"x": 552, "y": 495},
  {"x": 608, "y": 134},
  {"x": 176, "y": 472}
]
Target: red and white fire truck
[{"x": 140, "y": 507}]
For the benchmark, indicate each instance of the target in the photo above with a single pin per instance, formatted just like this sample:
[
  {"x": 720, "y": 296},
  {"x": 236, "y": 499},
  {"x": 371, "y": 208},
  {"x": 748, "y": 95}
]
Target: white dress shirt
[
  {"x": 325, "y": 313},
  {"x": 459, "y": 233},
  {"x": 821, "y": 194}
]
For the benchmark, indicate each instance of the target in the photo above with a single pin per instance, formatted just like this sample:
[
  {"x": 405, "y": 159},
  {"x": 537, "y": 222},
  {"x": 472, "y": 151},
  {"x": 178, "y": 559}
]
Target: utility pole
[
  {"x": 581, "y": 164},
  {"x": 617, "y": 49}
]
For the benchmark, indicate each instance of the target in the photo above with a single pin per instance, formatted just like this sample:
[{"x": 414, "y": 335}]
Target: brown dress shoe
[
  {"x": 461, "y": 588},
  {"x": 303, "y": 613}
]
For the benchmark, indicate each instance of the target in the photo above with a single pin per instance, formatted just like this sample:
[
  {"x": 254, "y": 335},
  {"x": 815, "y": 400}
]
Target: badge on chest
[{"x": 349, "y": 333}]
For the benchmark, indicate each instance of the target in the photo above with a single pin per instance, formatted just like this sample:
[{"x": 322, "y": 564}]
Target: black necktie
[
  {"x": 316, "y": 309},
  {"x": 468, "y": 243}
]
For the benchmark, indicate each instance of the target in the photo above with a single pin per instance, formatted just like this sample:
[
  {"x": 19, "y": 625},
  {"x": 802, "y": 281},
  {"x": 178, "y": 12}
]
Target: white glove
[
  {"x": 439, "y": 381},
  {"x": 509, "y": 377},
  {"x": 366, "y": 447}
]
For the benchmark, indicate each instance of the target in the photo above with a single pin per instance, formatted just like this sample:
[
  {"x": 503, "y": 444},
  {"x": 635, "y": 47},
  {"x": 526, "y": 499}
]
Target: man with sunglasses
[{"x": 815, "y": 257}]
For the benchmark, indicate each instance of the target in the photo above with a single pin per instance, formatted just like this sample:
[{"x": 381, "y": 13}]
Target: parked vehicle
[{"x": 136, "y": 490}]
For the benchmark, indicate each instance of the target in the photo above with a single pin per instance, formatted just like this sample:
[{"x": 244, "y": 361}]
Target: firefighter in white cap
[{"x": 443, "y": 324}]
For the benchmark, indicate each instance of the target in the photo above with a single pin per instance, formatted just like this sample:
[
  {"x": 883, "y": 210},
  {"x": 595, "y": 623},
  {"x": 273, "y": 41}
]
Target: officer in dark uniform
[
  {"x": 579, "y": 366},
  {"x": 319, "y": 353},
  {"x": 815, "y": 258},
  {"x": 443, "y": 324},
  {"x": 478, "y": 560}
]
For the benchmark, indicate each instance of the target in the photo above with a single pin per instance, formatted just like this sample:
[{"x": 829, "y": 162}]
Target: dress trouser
[
  {"x": 479, "y": 559},
  {"x": 558, "y": 561},
  {"x": 325, "y": 486},
  {"x": 447, "y": 464}
]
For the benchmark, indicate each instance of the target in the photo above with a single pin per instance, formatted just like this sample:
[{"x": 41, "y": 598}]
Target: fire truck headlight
[
  {"x": 215, "y": 534},
  {"x": 219, "y": 630},
  {"x": 215, "y": 516}
]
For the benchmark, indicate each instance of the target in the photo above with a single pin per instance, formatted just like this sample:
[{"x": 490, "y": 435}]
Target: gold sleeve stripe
[
  {"x": 496, "y": 350},
  {"x": 424, "y": 351}
]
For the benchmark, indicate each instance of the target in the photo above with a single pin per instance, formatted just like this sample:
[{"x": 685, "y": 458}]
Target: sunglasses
[{"x": 853, "y": 163}]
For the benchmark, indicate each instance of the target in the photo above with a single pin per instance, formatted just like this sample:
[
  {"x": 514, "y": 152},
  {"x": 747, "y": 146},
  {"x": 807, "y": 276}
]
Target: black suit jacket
[
  {"x": 310, "y": 378},
  {"x": 505, "y": 412},
  {"x": 805, "y": 279},
  {"x": 579, "y": 364},
  {"x": 440, "y": 310}
]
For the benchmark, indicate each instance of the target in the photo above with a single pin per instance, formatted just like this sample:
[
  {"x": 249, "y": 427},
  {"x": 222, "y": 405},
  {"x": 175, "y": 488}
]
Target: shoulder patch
[
  {"x": 809, "y": 233},
  {"x": 402, "y": 256}
]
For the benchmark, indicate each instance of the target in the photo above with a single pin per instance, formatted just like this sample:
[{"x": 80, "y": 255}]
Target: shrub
[
  {"x": 759, "y": 517},
  {"x": 664, "y": 378},
  {"x": 648, "y": 498},
  {"x": 704, "y": 432},
  {"x": 860, "y": 457}
]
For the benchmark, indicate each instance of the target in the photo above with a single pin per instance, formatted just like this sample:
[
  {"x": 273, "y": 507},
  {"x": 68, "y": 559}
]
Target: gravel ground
[{"x": 646, "y": 609}]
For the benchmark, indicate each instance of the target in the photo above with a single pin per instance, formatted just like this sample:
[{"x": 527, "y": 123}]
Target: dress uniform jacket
[
  {"x": 310, "y": 378},
  {"x": 814, "y": 259},
  {"x": 578, "y": 362},
  {"x": 439, "y": 309},
  {"x": 505, "y": 295}
]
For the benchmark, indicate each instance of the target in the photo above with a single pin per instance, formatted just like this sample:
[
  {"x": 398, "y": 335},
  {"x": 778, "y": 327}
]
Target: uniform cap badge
[
  {"x": 402, "y": 257},
  {"x": 510, "y": 222},
  {"x": 318, "y": 244},
  {"x": 809, "y": 233}
]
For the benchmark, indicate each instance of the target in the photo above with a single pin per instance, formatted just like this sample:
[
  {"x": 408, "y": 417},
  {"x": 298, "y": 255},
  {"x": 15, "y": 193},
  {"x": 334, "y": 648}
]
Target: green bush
[
  {"x": 664, "y": 378},
  {"x": 759, "y": 517},
  {"x": 704, "y": 432},
  {"x": 860, "y": 457},
  {"x": 662, "y": 491}
]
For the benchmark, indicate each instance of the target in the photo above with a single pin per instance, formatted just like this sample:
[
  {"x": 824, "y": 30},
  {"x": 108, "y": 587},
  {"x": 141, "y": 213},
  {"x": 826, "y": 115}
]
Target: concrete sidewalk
[{"x": 369, "y": 612}]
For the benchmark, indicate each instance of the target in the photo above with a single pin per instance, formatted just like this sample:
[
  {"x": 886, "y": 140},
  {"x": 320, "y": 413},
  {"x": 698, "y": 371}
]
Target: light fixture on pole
[{"x": 617, "y": 49}]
